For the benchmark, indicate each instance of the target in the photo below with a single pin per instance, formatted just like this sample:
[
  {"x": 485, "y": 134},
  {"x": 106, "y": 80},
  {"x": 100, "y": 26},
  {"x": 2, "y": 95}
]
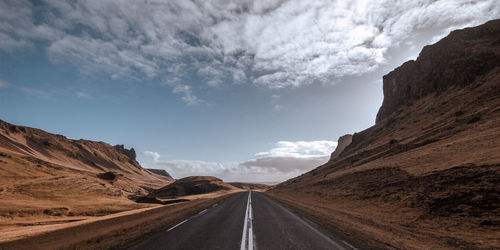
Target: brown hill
[
  {"x": 245, "y": 185},
  {"x": 162, "y": 173},
  {"x": 426, "y": 174},
  {"x": 81, "y": 155},
  {"x": 46, "y": 177},
  {"x": 192, "y": 185}
]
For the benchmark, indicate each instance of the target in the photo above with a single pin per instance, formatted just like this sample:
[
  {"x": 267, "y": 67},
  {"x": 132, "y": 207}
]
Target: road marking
[
  {"x": 202, "y": 211},
  {"x": 351, "y": 246},
  {"x": 214, "y": 205},
  {"x": 247, "y": 244},
  {"x": 245, "y": 226},
  {"x": 177, "y": 225},
  {"x": 250, "y": 224}
]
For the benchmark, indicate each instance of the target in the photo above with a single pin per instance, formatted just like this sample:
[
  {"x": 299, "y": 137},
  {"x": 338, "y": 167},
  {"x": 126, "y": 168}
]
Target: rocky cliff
[
  {"x": 426, "y": 175},
  {"x": 455, "y": 61},
  {"x": 342, "y": 143}
]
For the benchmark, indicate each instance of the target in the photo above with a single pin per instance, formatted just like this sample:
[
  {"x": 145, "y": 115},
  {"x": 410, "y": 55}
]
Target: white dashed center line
[{"x": 177, "y": 225}]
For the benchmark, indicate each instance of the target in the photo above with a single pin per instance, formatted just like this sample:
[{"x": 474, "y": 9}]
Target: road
[{"x": 247, "y": 220}]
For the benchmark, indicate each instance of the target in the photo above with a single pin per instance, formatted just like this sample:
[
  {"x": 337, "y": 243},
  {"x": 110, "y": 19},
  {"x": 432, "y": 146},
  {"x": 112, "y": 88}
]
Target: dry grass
[
  {"x": 43, "y": 205},
  {"x": 119, "y": 230},
  {"x": 48, "y": 181},
  {"x": 425, "y": 178}
]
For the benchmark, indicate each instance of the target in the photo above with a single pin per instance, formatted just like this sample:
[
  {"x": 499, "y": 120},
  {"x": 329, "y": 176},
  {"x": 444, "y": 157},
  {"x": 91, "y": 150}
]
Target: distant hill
[
  {"x": 162, "y": 173},
  {"x": 191, "y": 186},
  {"x": 245, "y": 185},
  {"x": 426, "y": 174}
]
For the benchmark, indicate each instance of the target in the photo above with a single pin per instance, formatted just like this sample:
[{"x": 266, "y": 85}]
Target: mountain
[
  {"x": 44, "y": 174},
  {"x": 426, "y": 174}
]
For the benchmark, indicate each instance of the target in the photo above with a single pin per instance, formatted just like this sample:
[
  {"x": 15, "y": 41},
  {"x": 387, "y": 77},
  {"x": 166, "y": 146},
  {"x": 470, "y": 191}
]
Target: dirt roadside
[{"x": 115, "y": 231}]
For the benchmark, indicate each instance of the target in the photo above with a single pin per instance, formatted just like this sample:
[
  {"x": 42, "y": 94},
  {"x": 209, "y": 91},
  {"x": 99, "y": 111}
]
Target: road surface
[{"x": 247, "y": 220}]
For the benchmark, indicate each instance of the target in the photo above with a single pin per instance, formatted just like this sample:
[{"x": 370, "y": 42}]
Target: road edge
[
  {"x": 137, "y": 227},
  {"x": 324, "y": 227}
]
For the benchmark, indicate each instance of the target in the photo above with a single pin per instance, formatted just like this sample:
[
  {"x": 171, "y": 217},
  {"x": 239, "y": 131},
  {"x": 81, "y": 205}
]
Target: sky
[{"x": 255, "y": 91}]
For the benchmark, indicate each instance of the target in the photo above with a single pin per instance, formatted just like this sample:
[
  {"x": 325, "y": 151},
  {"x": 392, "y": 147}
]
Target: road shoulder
[{"x": 116, "y": 231}]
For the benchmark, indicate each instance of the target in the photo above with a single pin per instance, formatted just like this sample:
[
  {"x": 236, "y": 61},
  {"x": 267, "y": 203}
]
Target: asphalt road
[{"x": 248, "y": 220}]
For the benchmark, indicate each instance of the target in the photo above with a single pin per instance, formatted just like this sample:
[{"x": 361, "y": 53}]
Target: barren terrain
[
  {"x": 52, "y": 187},
  {"x": 426, "y": 175},
  {"x": 120, "y": 230},
  {"x": 251, "y": 186}
]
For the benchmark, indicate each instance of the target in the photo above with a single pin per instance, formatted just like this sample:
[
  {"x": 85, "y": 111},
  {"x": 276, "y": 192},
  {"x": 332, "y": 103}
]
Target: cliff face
[
  {"x": 128, "y": 152},
  {"x": 455, "y": 61},
  {"x": 426, "y": 174}
]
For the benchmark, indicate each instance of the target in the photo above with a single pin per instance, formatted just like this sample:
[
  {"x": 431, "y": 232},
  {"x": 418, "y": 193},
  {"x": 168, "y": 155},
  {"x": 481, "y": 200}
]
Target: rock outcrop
[
  {"x": 128, "y": 152},
  {"x": 342, "y": 143},
  {"x": 454, "y": 61}
]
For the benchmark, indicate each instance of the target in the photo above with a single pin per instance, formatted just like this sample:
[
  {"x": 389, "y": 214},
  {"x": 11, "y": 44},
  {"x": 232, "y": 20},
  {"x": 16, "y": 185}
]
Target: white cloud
[
  {"x": 286, "y": 160},
  {"x": 187, "y": 96},
  {"x": 295, "y": 157},
  {"x": 182, "y": 168},
  {"x": 300, "y": 149},
  {"x": 152, "y": 155},
  {"x": 276, "y": 44}
]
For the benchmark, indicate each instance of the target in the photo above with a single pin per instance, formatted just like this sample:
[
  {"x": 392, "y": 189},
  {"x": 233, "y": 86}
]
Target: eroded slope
[
  {"x": 47, "y": 178},
  {"x": 426, "y": 174}
]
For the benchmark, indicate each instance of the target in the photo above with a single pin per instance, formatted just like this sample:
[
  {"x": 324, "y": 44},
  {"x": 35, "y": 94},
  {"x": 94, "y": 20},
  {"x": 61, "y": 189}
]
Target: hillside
[
  {"x": 162, "y": 173},
  {"x": 252, "y": 186},
  {"x": 192, "y": 185},
  {"x": 426, "y": 174},
  {"x": 47, "y": 178}
]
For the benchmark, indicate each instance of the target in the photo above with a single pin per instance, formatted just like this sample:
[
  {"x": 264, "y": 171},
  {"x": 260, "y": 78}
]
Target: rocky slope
[
  {"x": 343, "y": 142},
  {"x": 456, "y": 61},
  {"x": 426, "y": 174},
  {"x": 161, "y": 172},
  {"x": 44, "y": 176}
]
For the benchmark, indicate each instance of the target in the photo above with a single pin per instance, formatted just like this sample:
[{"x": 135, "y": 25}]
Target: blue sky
[{"x": 244, "y": 90}]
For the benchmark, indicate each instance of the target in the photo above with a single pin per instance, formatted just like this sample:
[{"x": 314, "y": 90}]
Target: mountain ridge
[
  {"x": 45, "y": 176},
  {"x": 83, "y": 155}
]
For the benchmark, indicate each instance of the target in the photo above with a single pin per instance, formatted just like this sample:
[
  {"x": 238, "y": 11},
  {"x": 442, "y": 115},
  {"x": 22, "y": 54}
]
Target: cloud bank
[
  {"x": 286, "y": 160},
  {"x": 272, "y": 43}
]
